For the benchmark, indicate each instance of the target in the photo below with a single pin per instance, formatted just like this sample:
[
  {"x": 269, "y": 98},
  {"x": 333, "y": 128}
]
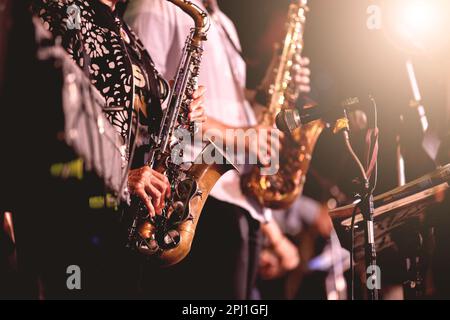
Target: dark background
[{"x": 349, "y": 60}]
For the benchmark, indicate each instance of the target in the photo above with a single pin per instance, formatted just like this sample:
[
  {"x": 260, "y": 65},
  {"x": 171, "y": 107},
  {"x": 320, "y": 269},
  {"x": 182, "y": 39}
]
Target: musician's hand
[
  {"x": 275, "y": 263},
  {"x": 282, "y": 247},
  {"x": 302, "y": 74},
  {"x": 151, "y": 187},
  {"x": 288, "y": 254},
  {"x": 269, "y": 265},
  {"x": 267, "y": 144},
  {"x": 197, "y": 111}
]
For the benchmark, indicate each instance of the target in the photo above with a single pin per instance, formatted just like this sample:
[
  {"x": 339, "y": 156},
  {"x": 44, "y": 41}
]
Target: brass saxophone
[
  {"x": 166, "y": 239},
  {"x": 279, "y": 191}
]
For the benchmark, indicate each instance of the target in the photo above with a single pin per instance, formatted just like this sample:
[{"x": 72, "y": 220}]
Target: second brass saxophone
[{"x": 279, "y": 191}]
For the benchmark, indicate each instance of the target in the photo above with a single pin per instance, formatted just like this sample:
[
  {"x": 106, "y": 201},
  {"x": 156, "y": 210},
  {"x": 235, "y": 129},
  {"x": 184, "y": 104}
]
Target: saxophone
[
  {"x": 166, "y": 239},
  {"x": 279, "y": 191}
]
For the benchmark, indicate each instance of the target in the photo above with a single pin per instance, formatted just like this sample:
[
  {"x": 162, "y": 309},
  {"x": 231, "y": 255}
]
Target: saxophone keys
[
  {"x": 172, "y": 239},
  {"x": 178, "y": 209},
  {"x": 199, "y": 193}
]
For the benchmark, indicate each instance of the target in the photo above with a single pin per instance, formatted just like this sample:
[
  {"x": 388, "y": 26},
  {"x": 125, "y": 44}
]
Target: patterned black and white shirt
[{"x": 113, "y": 56}]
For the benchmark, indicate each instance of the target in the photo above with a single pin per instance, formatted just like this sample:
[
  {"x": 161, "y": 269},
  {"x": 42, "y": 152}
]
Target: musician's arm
[
  {"x": 284, "y": 249},
  {"x": 310, "y": 212},
  {"x": 234, "y": 135}
]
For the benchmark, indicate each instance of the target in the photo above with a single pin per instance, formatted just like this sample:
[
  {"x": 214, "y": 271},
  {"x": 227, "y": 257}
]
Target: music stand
[{"x": 393, "y": 209}]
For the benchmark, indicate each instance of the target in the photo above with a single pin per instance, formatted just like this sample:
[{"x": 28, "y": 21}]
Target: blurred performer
[
  {"x": 274, "y": 265},
  {"x": 305, "y": 211},
  {"x": 122, "y": 70},
  {"x": 224, "y": 258}
]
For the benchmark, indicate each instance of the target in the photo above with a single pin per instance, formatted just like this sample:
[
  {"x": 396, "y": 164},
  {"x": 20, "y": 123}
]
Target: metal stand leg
[
  {"x": 414, "y": 286},
  {"x": 372, "y": 269}
]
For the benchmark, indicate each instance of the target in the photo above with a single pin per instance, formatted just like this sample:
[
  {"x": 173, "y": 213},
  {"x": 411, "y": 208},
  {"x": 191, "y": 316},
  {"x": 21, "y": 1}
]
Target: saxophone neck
[
  {"x": 278, "y": 81},
  {"x": 200, "y": 17}
]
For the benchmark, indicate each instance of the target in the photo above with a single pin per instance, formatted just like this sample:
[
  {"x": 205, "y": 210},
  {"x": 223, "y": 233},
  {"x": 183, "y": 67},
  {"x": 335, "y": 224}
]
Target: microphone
[
  {"x": 289, "y": 120},
  {"x": 348, "y": 115}
]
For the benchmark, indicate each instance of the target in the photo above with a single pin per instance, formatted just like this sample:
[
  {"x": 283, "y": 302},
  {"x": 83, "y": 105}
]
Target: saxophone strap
[{"x": 212, "y": 12}]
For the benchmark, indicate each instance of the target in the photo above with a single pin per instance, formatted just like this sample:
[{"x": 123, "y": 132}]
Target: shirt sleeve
[
  {"x": 53, "y": 15},
  {"x": 308, "y": 209},
  {"x": 304, "y": 210}
]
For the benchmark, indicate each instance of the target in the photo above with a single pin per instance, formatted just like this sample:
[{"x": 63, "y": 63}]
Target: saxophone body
[
  {"x": 280, "y": 190},
  {"x": 166, "y": 239}
]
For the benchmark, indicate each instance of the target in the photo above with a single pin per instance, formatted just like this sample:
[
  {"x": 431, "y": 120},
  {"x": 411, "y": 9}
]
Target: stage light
[
  {"x": 419, "y": 16},
  {"x": 419, "y": 25},
  {"x": 418, "y": 20}
]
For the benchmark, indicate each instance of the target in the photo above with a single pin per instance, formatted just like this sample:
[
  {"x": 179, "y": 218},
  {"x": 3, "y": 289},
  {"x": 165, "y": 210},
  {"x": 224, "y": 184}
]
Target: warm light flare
[
  {"x": 420, "y": 16},
  {"x": 418, "y": 20},
  {"x": 420, "y": 24}
]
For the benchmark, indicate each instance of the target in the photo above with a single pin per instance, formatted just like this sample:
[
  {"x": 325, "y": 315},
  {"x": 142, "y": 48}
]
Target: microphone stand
[
  {"x": 366, "y": 207},
  {"x": 288, "y": 122}
]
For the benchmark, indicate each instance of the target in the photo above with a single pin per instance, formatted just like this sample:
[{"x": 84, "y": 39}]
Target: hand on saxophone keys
[
  {"x": 197, "y": 111},
  {"x": 151, "y": 187},
  {"x": 267, "y": 144},
  {"x": 302, "y": 73}
]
